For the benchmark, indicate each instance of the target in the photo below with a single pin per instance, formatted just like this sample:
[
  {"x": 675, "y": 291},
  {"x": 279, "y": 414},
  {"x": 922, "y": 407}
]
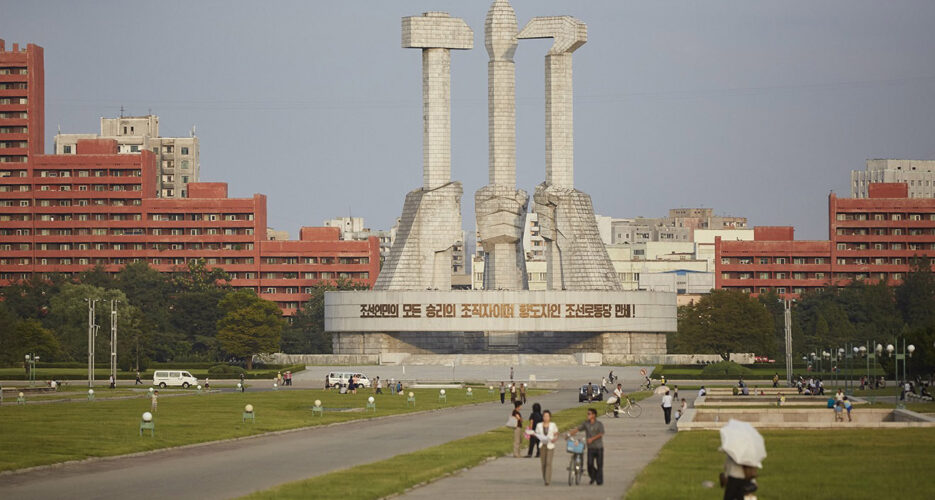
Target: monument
[{"x": 412, "y": 308}]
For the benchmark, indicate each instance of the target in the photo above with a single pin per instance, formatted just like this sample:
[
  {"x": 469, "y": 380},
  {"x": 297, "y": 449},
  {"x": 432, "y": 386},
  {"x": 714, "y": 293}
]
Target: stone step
[{"x": 493, "y": 359}]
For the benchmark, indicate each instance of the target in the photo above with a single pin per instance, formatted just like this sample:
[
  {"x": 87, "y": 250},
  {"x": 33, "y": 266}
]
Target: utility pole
[
  {"x": 787, "y": 315},
  {"x": 113, "y": 340},
  {"x": 92, "y": 333}
]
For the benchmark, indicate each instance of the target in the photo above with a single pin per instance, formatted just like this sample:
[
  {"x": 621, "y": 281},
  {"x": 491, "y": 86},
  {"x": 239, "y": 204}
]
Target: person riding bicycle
[
  {"x": 618, "y": 393},
  {"x": 648, "y": 382}
]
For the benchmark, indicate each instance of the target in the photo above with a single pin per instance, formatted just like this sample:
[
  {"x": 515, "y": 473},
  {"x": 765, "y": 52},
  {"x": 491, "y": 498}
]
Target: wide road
[{"x": 231, "y": 469}]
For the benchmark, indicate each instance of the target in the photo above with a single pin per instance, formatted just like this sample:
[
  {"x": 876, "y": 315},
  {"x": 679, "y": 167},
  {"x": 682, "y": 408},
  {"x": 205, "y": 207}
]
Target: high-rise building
[
  {"x": 177, "y": 158},
  {"x": 679, "y": 225},
  {"x": 22, "y": 104},
  {"x": 919, "y": 176},
  {"x": 871, "y": 239}
]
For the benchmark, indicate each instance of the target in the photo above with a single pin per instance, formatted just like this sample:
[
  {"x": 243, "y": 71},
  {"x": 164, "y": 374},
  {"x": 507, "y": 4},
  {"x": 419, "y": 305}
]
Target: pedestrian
[
  {"x": 138, "y": 381},
  {"x": 155, "y": 401},
  {"x": 681, "y": 410},
  {"x": 534, "y": 419},
  {"x": 848, "y": 406},
  {"x": 603, "y": 385},
  {"x": 737, "y": 479},
  {"x": 702, "y": 392},
  {"x": 546, "y": 447},
  {"x": 113, "y": 382},
  {"x": 502, "y": 393},
  {"x": 207, "y": 383},
  {"x": 278, "y": 378},
  {"x": 518, "y": 429},
  {"x": 667, "y": 407},
  {"x": 776, "y": 380},
  {"x": 241, "y": 380},
  {"x": 513, "y": 392},
  {"x": 522, "y": 393},
  {"x": 399, "y": 387},
  {"x": 379, "y": 386},
  {"x": 590, "y": 392},
  {"x": 511, "y": 373},
  {"x": 288, "y": 378},
  {"x": 326, "y": 383},
  {"x": 594, "y": 431},
  {"x": 839, "y": 396},
  {"x": 675, "y": 393},
  {"x": 618, "y": 393}
]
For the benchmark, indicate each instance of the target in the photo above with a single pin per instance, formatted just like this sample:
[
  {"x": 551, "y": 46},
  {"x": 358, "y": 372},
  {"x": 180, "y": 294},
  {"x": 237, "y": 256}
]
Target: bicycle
[
  {"x": 647, "y": 385},
  {"x": 631, "y": 409},
  {"x": 576, "y": 464}
]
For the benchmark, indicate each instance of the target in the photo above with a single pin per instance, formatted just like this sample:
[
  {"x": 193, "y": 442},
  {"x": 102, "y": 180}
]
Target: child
[
  {"x": 681, "y": 410},
  {"x": 155, "y": 401},
  {"x": 848, "y": 406},
  {"x": 838, "y": 412}
]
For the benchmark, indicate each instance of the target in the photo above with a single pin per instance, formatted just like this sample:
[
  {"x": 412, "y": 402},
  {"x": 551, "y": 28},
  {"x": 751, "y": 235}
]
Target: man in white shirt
[
  {"x": 667, "y": 407},
  {"x": 702, "y": 392},
  {"x": 618, "y": 393}
]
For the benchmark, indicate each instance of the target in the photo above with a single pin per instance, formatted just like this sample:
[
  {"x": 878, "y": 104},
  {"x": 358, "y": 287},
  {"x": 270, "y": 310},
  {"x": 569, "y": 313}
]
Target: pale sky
[{"x": 754, "y": 108}]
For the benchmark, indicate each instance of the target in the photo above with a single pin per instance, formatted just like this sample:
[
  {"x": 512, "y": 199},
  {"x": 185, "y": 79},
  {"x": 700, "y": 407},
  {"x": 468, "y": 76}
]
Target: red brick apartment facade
[
  {"x": 66, "y": 213},
  {"x": 872, "y": 239}
]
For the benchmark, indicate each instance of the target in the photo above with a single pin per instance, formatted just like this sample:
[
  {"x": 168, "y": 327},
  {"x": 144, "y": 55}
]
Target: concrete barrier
[{"x": 801, "y": 418}]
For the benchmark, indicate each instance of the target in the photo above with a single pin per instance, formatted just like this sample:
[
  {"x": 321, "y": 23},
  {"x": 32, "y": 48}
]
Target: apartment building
[
  {"x": 919, "y": 175},
  {"x": 177, "y": 158},
  {"x": 872, "y": 239}
]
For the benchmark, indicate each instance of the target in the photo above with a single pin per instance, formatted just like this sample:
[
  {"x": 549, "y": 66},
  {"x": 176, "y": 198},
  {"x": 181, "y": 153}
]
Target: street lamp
[
  {"x": 900, "y": 355},
  {"x": 31, "y": 360}
]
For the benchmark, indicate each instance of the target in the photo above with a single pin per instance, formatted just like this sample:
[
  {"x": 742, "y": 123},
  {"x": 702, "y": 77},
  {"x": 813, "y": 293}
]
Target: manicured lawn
[
  {"x": 759, "y": 372},
  {"x": 852, "y": 464},
  {"x": 48, "y": 433},
  {"x": 394, "y": 475}
]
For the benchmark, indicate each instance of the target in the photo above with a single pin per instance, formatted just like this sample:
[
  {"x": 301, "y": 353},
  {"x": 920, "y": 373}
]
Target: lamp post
[
  {"x": 900, "y": 355},
  {"x": 31, "y": 360}
]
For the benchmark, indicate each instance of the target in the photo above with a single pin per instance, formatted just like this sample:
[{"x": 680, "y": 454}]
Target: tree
[
  {"x": 68, "y": 318},
  {"x": 30, "y": 298},
  {"x": 28, "y": 336},
  {"x": 250, "y": 325},
  {"x": 306, "y": 334},
  {"x": 915, "y": 301},
  {"x": 722, "y": 322}
]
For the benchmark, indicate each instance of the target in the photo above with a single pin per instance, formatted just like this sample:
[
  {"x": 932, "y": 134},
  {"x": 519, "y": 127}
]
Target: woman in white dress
[{"x": 547, "y": 432}]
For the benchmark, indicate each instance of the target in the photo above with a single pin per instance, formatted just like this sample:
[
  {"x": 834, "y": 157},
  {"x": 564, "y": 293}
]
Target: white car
[
  {"x": 339, "y": 379},
  {"x": 172, "y": 378}
]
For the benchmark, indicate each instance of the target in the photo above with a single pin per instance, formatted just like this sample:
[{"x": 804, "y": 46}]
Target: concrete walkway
[{"x": 630, "y": 444}]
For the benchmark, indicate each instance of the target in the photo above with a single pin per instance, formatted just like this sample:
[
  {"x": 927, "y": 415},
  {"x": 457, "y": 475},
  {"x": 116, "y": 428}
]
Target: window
[
  {"x": 66, "y": 149},
  {"x": 798, "y": 260},
  {"x": 764, "y": 260},
  {"x": 763, "y": 276},
  {"x": 780, "y": 260},
  {"x": 781, "y": 290},
  {"x": 725, "y": 260},
  {"x": 271, "y": 290},
  {"x": 819, "y": 276},
  {"x": 184, "y": 150}
]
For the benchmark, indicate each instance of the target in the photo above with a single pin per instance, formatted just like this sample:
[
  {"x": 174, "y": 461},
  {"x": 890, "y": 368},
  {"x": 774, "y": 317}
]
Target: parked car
[
  {"x": 596, "y": 393},
  {"x": 174, "y": 378},
  {"x": 341, "y": 379},
  {"x": 763, "y": 359}
]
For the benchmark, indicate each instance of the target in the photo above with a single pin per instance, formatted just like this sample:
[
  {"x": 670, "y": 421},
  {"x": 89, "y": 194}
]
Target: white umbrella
[
  {"x": 661, "y": 389},
  {"x": 743, "y": 443}
]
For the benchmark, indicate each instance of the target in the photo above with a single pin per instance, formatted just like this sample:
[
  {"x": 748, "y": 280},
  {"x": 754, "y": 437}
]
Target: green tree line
[
  {"x": 727, "y": 321},
  {"x": 192, "y": 314}
]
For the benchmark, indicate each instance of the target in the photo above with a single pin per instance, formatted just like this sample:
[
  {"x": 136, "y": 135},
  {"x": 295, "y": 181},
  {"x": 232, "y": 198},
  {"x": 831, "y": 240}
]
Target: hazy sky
[{"x": 755, "y": 108}]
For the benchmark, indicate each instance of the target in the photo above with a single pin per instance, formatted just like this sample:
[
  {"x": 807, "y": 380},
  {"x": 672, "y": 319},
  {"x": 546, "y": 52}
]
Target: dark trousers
[
  {"x": 533, "y": 441},
  {"x": 668, "y": 413},
  {"x": 502, "y": 396},
  {"x": 733, "y": 490},
  {"x": 596, "y": 464}
]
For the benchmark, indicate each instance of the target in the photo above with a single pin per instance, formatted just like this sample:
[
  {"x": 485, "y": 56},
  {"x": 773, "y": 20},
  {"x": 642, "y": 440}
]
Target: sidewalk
[{"x": 630, "y": 444}]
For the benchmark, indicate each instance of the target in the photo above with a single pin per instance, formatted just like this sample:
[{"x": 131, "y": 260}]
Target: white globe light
[
  {"x": 411, "y": 394},
  {"x": 863, "y": 349},
  {"x": 856, "y": 350},
  {"x": 147, "y": 417},
  {"x": 879, "y": 348},
  {"x": 21, "y": 394},
  {"x": 890, "y": 348},
  {"x": 151, "y": 390},
  {"x": 317, "y": 402},
  {"x": 275, "y": 386},
  {"x": 199, "y": 387},
  {"x": 812, "y": 355},
  {"x": 91, "y": 391},
  {"x": 491, "y": 388},
  {"x": 840, "y": 350},
  {"x": 248, "y": 408},
  {"x": 238, "y": 385},
  {"x": 441, "y": 391},
  {"x": 370, "y": 399},
  {"x": 911, "y": 348},
  {"x": 469, "y": 389}
]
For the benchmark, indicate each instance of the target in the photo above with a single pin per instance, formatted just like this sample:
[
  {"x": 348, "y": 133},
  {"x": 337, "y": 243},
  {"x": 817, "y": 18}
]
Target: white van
[
  {"x": 339, "y": 379},
  {"x": 173, "y": 378}
]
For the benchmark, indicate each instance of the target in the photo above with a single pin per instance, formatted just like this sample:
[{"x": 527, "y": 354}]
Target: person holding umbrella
[{"x": 745, "y": 450}]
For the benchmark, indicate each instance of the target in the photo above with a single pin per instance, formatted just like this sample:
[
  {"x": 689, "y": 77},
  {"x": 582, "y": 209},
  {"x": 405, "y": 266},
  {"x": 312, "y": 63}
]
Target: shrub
[
  {"x": 725, "y": 369},
  {"x": 225, "y": 371}
]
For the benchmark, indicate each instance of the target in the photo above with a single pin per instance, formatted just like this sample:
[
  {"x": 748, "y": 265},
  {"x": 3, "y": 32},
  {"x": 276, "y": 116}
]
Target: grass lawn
[
  {"x": 852, "y": 464},
  {"x": 43, "y": 434},
  {"x": 394, "y": 475},
  {"x": 759, "y": 372}
]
